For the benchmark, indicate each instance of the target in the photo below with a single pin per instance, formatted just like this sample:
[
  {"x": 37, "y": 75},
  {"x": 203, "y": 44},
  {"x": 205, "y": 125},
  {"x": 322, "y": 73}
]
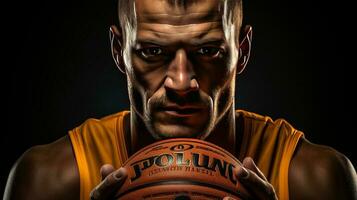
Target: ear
[
  {"x": 245, "y": 45},
  {"x": 116, "y": 41}
]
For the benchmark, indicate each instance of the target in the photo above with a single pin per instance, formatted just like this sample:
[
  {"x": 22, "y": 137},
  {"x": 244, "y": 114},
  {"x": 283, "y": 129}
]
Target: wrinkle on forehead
[
  {"x": 193, "y": 38},
  {"x": 160, "y": 11},
  {"x": 173, "y": 33},
  {"x": 175, "y": 29}
]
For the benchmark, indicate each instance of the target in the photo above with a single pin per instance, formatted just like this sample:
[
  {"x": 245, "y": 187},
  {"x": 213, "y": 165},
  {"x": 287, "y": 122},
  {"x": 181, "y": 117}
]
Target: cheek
[
  {"x": 145, "y": 80},
  {"x": 217, "y": 79},
  {"x": 137, "y": 99},
  {"x": 149, "y": 77},
  {"x": 213, "y": 76}
]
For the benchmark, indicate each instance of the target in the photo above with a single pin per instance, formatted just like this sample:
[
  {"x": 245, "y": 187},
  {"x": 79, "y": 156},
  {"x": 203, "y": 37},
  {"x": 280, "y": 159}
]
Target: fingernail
[
  {"x": 242, "y": 173},
  {"x": 119, "y": 173}
]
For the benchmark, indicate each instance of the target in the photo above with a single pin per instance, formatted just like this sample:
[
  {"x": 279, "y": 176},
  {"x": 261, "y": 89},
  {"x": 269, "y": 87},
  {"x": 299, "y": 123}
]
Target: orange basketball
[{"x": 181, "y": 168}]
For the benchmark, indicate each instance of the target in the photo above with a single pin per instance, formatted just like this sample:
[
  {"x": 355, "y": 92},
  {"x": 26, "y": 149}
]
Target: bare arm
[
  {"x": 44, "y": 172},
  {"x": 320, "y": 172},
  {"x": 316, "y": 172}
]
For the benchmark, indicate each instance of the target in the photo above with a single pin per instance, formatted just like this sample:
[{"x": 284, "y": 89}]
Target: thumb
[
  {"x": 110, "y": 184},
  {"x": 105, "y": 170}
]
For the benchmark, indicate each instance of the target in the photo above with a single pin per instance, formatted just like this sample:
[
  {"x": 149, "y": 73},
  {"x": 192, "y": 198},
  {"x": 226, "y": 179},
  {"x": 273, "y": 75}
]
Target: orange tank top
[{"x": 270, "y": 143}]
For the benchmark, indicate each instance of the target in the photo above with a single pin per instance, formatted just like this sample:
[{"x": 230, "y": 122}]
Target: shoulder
[
  {"x": 106, "y": 124},
  {"x": 321, "y": 172},
  {"x": 45, "y": 172},
  {"x": 263, "y": 120},
  {"x": 265, "y": 129}
]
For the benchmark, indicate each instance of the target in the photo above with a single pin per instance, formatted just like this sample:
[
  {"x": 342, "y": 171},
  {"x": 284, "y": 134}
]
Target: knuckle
[
  {"x": 110, "y": 180},
  {"x": 107, "y": 181}
]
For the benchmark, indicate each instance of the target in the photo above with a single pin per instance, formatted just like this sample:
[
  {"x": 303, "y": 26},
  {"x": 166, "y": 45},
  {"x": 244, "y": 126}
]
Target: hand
[
  {"x": 254, "y": 181},
  {"x": 112, "y": 180}
]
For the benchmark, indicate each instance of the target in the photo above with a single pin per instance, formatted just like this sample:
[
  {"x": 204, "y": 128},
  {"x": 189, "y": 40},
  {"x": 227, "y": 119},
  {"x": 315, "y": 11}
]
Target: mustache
[{"x": 194, "y": 98}]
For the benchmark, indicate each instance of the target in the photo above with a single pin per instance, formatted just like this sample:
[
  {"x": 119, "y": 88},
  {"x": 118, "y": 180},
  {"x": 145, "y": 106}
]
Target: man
[{"x": 181, "y": 59}]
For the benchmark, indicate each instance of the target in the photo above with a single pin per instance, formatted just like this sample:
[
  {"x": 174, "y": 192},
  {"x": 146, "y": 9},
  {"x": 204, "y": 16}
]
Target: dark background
[{"x": 59, "y": 71}]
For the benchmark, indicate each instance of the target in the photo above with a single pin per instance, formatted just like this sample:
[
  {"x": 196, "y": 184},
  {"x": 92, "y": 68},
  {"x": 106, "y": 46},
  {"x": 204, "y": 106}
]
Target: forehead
[
  {"x": 167, "y": 21},
  {"x": 162, "y": 11}
]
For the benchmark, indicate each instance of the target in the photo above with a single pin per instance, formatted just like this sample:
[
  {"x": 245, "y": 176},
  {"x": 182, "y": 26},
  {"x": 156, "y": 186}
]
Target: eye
[
  {"x": 151, "y": 52},
  {"x": 210, "y": 51}
]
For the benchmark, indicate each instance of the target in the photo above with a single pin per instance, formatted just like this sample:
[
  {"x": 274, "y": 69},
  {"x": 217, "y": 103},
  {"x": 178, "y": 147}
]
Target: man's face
[{"x": 182, "y": 72}]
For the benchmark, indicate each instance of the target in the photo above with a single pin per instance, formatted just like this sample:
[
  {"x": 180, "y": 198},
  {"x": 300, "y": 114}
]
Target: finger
[
  {"x": 105, "y": 170},
  {"x": 109, "y": 186},
  {"x": 257, "y": 186},
  {"x": 249, "y": 163}
]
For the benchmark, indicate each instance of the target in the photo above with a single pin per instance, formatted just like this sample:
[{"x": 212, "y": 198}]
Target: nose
[{"x": 180, "y": 76}]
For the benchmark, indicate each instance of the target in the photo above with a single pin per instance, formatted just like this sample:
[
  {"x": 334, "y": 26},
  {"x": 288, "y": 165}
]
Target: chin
[{"x": 176, "y": 131}]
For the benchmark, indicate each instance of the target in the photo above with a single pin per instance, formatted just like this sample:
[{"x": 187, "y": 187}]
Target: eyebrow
[{"x": 199, "y": 42}]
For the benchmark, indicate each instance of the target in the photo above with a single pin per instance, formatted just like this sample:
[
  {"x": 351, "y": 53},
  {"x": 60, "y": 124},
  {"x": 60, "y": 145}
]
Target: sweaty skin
[{"x": 181, "y": 84}]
